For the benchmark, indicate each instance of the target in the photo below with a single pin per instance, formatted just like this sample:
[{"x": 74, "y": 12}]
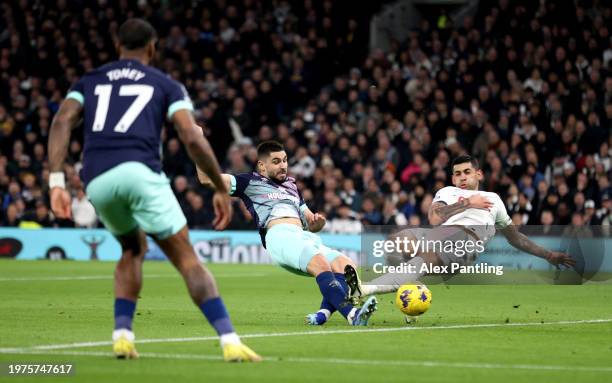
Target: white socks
[
  {"x": 325, "y": 312},
  {"x": 378, "y": 289},
  {"x": 123, "y": 333},
  {"x": 229, "y": 338},
  {"x": 351, "y": 315},
  {"x": 390, "y": 282}
]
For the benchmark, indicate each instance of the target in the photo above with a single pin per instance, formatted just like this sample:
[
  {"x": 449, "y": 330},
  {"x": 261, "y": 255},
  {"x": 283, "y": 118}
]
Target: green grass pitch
[{"x": 471, "y": 333}]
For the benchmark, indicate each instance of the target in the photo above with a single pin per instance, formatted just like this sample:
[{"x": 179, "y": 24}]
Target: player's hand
[
  {"x": 317, "y": 222},
  {"x": 222, "y": 204},
  {"x": 478, "y": 201},
  {"x": 61, "y": 203},
  {"x": 560, "y": 259}
]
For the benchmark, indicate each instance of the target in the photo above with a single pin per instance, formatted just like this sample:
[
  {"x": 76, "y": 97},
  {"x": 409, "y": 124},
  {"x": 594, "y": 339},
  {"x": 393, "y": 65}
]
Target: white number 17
[{"x": 143, "y": 95}]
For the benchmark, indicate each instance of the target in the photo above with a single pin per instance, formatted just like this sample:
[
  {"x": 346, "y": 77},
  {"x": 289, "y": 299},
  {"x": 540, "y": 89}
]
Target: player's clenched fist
[
  {"x": 223, "y": 210},
  {"x": 61, "y": 203}
]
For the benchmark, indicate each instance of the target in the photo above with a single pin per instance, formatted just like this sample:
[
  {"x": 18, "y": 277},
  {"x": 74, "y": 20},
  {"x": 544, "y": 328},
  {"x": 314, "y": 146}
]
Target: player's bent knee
[
  {"x": 133, "y": 244},
  {"x": 340, "y": 262},
  {"x": 318, "y": 264}
]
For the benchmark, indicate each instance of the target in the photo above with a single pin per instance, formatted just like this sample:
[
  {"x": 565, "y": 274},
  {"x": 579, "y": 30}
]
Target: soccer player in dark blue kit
[{"x": 123, "y": 105}]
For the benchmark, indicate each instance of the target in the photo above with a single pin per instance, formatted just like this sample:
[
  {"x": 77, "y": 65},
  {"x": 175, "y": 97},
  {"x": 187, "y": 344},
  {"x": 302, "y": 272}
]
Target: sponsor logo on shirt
[{"x": 282, "y": 196}]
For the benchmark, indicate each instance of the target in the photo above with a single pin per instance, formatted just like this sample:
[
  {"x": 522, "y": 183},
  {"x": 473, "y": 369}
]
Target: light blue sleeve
[
  {"x": 76, "y": 95},
  {"x": 179, "y": 105},
  {"x": 232, "y": 184}
]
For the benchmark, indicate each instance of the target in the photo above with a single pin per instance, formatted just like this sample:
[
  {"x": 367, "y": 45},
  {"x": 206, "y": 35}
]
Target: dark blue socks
[
  {"x": 325, "y": 305},
  {"x": 333, "y": 292},
  {"x": 124, "y": 313},
  {"x": 340, "y": 278},
  {"x": 214, "y": 310}
]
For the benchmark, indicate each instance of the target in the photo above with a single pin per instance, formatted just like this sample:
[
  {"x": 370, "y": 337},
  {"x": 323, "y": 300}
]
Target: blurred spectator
[
  {"x": 589, "y": 212},
  {"x": 43, "y": 215},
  {"x": 370, "y": 214},
  {"x": 236, "y": 161},
  {"x": 303, "y": 165},
  {"x": 198, "y": 217},
  {"x": 391, "y": 216},
  {"x": 603, "y": 216},
  {"x": 179, "y": 187},
  {"x": 577, "y": 228},
  {"x": 83, "y": 212},
  {"x": 346, "y": 221},
  {"x": 11, "y": 217},
  {"x": 547, "y": 225},
  {"x": 40, "y": 217},
  {"x": 242, "y": 219},
  {"x": 176, "y": 161}
]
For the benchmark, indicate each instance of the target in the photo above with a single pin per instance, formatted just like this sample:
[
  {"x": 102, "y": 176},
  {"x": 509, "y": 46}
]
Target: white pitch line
[
  {"x": 109, "y": 277},
  {"x": 410, "y": 363},
  {"x": 307, "y": 333}
]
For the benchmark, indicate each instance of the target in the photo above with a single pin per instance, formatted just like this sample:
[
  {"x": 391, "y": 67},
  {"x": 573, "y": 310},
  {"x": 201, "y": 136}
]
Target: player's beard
[{"x": 280, "y": 177}]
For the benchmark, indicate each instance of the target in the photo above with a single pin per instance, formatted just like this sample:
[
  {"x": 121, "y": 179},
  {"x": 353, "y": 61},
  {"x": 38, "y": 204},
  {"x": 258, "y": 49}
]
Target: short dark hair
[
  {"x": 136, "y": 34},
  {"x": 466, "y": 158},
  {"x": 265, "y": 148}
]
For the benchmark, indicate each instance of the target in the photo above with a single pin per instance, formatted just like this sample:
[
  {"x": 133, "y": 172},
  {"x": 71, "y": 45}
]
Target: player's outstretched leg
[
  {"x": 388, "y": 283},
  {"x": 338, "y": 264},
  {"x": 203, "y": 290},
  {"x": 128, "y": 282},
  {"x": 334, "y": 293},
  {"x": 327, "y": 309}
]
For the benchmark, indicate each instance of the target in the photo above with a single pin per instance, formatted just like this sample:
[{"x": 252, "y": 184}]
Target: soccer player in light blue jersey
[
  {"x": 287, "y": 228},
  {"x": 123, "y": 105}
]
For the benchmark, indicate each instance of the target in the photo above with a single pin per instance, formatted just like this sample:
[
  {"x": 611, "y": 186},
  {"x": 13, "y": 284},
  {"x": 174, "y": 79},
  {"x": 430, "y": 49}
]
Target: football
[{"x": 413, "y": 299}]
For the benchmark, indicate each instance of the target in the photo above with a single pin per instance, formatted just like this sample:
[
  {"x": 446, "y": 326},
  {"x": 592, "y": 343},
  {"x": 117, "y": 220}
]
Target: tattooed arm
[
  {"x": 439, "y": 211},
  {"x": 521, "y": 242}
]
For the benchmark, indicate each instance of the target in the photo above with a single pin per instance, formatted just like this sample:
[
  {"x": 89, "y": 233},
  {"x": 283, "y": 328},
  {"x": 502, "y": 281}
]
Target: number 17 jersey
[{"x": 124, "y": 106}]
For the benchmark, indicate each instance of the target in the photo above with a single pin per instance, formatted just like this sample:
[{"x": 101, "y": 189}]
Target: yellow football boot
[
  {"x": 123, "y": 344},
  {"x": 238, "y": 352}
]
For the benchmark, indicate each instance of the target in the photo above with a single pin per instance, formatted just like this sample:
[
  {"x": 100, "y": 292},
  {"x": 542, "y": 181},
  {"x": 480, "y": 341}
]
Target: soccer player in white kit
[{"x": 460, "y": 212}]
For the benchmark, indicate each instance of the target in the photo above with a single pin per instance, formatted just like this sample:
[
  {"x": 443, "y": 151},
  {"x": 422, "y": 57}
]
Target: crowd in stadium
[{"x": 525, "y": 87}]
